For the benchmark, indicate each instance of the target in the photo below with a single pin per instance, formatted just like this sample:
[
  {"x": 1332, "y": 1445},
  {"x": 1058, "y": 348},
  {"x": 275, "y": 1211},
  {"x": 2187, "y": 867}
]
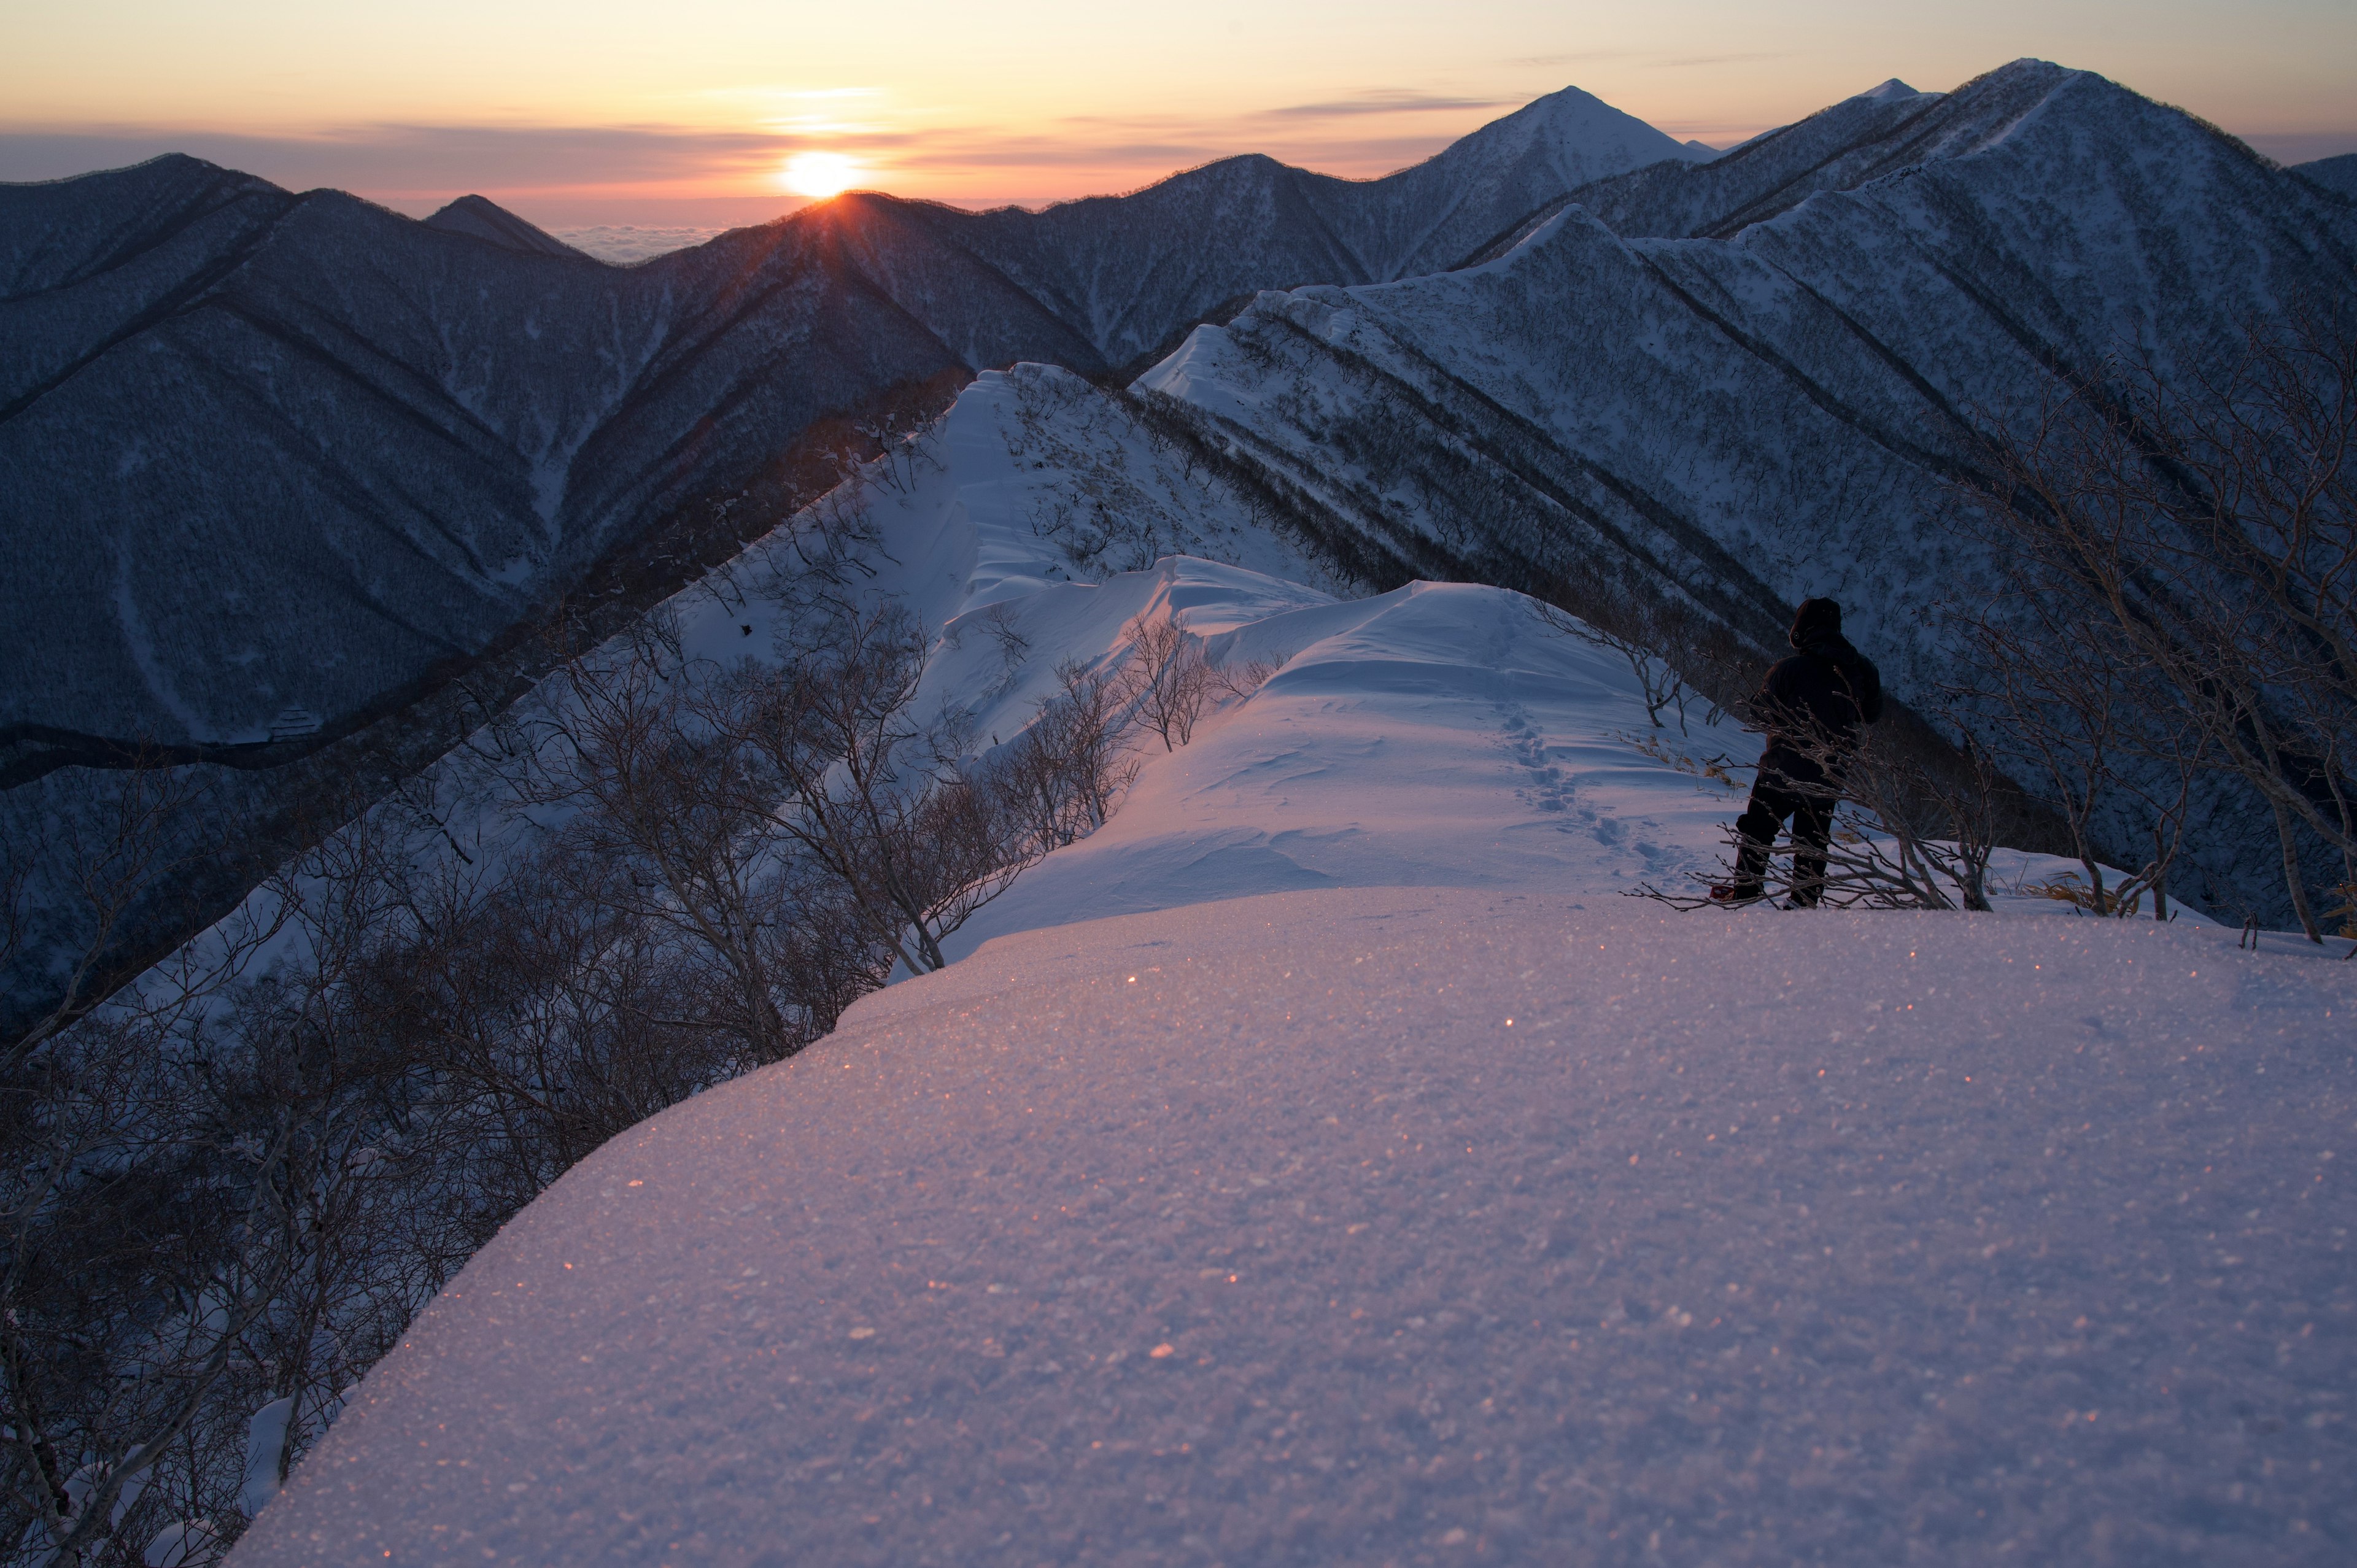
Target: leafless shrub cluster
[
  {"x": 1166, "y": 681},
  {"x": 1915, "y": 830},
  {"x": 1062, "y": 777},
  {"x": 2180, "y": 599},
  {"x": 1655, "y": 641},
  {"x": 223, "y": 1197}
]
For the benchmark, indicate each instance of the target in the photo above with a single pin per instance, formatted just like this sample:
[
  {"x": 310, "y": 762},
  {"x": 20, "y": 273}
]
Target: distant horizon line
[{"x": 667, "y": 182}]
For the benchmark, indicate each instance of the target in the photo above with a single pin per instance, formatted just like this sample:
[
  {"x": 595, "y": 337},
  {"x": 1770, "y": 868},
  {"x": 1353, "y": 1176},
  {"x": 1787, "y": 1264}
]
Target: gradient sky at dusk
[{"x": 595, "y": 111}]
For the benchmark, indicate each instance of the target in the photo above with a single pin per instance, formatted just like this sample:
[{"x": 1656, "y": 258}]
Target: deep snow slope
[
  {"x": 1421, "y": 1225},
  {"x": 1439, "y": 734},
  {"x": 1775, "y": 410},
  {"x": 1141, "y": 1233}
]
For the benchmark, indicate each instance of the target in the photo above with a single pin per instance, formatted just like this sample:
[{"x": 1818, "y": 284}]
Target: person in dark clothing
[{"x": 1811, "y": 705}]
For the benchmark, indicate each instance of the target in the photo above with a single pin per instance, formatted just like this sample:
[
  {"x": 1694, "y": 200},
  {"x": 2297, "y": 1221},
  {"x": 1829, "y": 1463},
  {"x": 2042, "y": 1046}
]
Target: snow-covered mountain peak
[
  {"x": 485, "y": 220},
  {"x": 1570, "y": 123},
  {"x": 1890, "y": 91}
]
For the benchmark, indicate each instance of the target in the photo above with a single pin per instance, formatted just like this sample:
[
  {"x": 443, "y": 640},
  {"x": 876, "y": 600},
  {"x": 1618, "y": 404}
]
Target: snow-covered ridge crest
[{"x": 1440, "y": 736}]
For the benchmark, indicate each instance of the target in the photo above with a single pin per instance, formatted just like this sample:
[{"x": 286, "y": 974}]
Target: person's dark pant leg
[
  {"x": 1757, "y": 827},
  {"x": 1812, "y": 829},
  {"x": 1772, "y": 800}
]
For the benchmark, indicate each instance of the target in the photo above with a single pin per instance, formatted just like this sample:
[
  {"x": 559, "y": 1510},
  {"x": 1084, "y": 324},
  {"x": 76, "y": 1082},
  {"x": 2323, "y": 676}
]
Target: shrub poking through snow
[
  {"x": 1062, "y": 777},
  {"x": 221, "y": 1202},
  {"x": 1908, "y": 834},
  {"x": 1166, "y": 681},
  {"x": 1648, "y": 632},
  {"x": 2179, "y": 547}
]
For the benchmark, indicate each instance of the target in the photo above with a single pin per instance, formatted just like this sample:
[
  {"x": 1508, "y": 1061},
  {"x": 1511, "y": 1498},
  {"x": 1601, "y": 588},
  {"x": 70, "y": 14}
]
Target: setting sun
[{"x": 821, "y": 174}]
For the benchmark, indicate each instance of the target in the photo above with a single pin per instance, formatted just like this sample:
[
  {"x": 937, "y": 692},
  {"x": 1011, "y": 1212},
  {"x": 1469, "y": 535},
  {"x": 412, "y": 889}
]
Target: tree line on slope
[
  {"x": 56, "y": 786},
  {"x": 2178, "y": 599},
  {"x": 227, "y": 1190},
  {"x": 2172, "y": 625}
]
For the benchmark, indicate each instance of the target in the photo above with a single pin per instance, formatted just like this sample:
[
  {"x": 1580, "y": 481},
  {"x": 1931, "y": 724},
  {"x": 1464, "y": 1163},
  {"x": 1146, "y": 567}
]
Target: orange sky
[{"x": 595, "y": 110}]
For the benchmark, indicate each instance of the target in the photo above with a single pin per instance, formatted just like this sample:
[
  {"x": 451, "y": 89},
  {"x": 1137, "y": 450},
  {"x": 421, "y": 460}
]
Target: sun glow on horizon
[{"x": 819, "y": 174}]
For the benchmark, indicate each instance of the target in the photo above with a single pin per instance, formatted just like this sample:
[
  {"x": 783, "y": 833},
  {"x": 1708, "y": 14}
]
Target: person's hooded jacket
[{"x": 1812, "y": 703}]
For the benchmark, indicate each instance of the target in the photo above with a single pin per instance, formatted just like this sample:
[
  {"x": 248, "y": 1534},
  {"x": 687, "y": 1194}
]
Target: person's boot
[
  {"x": 1808, "y": 884},
  {"x": 1747, "y": 884}
]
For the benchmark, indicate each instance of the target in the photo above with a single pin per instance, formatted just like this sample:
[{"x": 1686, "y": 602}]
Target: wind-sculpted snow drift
[{"x": 1216, "y": 1211}]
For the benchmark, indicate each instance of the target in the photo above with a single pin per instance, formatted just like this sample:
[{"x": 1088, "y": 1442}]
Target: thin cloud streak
[
  {"x": 411, "y": 156},
  {"x": 1395, "y": 102}
]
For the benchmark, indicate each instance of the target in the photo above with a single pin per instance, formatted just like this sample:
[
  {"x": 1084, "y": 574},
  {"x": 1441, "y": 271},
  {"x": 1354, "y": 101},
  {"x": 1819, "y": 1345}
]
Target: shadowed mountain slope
[
  {"x": 1774, "y": 410},
  {"x": 2334, "y": 174},
  {"x": 297, "y": 490},
  {"x": 260, "y": 449},
  {"x": 485, "y": 219}
]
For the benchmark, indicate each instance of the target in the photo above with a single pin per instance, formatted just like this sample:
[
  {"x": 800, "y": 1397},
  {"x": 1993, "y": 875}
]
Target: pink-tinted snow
[{"x": 1254, "y": 1232}]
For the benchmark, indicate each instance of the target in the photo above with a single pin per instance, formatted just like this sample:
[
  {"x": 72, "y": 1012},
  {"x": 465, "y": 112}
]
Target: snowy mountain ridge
[
  {"x": 1730, "y": 385},
  {"x": 1319, "y": 1164},
  {"x": 393, "y": 449},
  {"x": 265, "y": 451},
  {"x": 261, "y": 451}
]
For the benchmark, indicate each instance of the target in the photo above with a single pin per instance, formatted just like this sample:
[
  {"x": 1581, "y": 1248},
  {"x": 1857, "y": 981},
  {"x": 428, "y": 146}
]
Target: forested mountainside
[
  {"x": 262, "y": 450},
  {"x": 278, "y": 471},
  {"x": 1780, "y": 407},
  {"x": 2334, "y": 174}
]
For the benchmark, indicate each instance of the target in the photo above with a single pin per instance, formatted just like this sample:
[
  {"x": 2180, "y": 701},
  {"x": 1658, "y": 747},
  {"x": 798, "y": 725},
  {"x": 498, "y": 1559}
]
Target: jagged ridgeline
[
  {"x": 1760, "y": 378},
  {"x": 294, "y": 488}
]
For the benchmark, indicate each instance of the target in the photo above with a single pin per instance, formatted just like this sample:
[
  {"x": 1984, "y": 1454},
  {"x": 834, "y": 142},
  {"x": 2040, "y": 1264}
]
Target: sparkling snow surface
[{"x": 1253, "y": 1232}]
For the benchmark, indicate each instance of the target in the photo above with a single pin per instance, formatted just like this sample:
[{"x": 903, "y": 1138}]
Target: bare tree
[
  {"x": 69, "y": 888},
  {"x": 1657, "y": 685},
  {"x": 1166, "y": 681},
  {"x": 1062, "y": 777},
  {"x": 2205, "y": 523},
  {"x": 844, "y": 770}
]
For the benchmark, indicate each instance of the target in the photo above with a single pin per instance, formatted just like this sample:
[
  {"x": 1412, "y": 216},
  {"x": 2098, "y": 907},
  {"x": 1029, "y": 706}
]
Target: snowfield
[
  {"x": 1255, "y": 1232},
  {"x": 1322, "y": 1164}
]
